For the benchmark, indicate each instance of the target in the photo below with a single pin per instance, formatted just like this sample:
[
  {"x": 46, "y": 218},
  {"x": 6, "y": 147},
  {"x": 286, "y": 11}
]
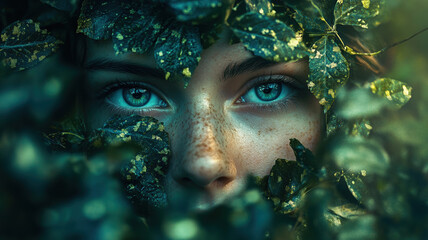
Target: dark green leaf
[
  {"x": 313, "y": 15},
  {"x": 65, "y": 5},
  {"x": 143, "y": 175},
  {"x": 23, "y": 44},
  {"x": 263, "y": 7},
  {"x": 359, "y": 13},
  {"x": 304, "y": 157},
  {"x": 328, "y": 70},
  {"x": 393, "y": 90},
  {"x": 268, "y": 38},
  {"x": 358, "y": 103},
  {"x": 177, "y": 51},
  {"x": 358, "y": 154},
  {"x": 325, "y": 9},
  {"x": 363, "y": 227},
  {"x": 347, "y": 211},
  {"x": 285, "y": 179},
  {"x": 310, "y": 24},
  {"x": 360, "y": 128},
  {"x": 200, "y": 12},
  {"x": 97, "y": 17},
  {"x": 138, "y": 31},
  {"x": 357, "y": 186}
]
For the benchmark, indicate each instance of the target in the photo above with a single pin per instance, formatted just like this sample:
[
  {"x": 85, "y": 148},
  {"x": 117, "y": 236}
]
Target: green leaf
[
  {"x": 97, "y": 17},
  {"x": 64, "y": 5},
  {"x": 363, "y": 227},
  {"x": 360, "y": 128},
  {"x": 328, "y": 70},
  {"x": 23, "y": 44},
  {"x": 304, "y": 157},
  {"x": 357, "y": 154},
  {"x": 314, "y": 16},
  {"x": 200, "y": 12},
  {"x": 143, "y": 175},
  {"x": 310, "y": 24},
  {"x": 268, "y": 38},
  {"x": 284, "y": 180},
  {"x": 325, "y": 9},
  {"x": 358, "y": 103},
  {"x": 393, "y": 90},
  {"x": 138, "y": 31},
  {"x": 359, "y": 13},
  {"x": 177, "y": 51},
  {"x": 357, "y": 186},
  {"x": 263, "y": 7}
]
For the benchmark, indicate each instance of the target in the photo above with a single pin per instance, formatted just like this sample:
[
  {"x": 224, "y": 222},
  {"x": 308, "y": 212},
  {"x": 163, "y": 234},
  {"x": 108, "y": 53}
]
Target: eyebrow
[
  {"x": 123, "y": 67},
  {"x": 249, "y": 65},
  {"x": 232, "y": 70}
]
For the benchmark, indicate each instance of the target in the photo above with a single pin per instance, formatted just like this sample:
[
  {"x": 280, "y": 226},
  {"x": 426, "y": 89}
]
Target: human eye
[
  {"x": 270, "y": 91},
  {"x": 132, "y": 96}
]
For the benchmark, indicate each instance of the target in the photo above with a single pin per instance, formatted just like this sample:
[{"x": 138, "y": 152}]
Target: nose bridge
[
  {"x": 203, "y": 159},
  {"x": 205, "y": 129}
]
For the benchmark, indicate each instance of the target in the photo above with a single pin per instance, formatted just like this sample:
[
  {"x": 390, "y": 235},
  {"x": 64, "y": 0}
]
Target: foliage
[
  {"x": 23, "y": 44},
  {"x": 366, "y": 181}
]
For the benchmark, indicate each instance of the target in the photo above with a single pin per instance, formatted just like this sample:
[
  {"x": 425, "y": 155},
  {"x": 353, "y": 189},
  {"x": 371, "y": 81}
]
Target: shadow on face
[{"x": 234, "y": 119}]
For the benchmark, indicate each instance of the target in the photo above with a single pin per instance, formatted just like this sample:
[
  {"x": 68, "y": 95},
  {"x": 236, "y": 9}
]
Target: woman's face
[{"x": 234, "y": 119}]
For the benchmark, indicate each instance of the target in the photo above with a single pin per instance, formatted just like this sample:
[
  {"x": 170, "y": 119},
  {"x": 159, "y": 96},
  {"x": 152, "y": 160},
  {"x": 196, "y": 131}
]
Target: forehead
[{"x": 219, "y": 53}]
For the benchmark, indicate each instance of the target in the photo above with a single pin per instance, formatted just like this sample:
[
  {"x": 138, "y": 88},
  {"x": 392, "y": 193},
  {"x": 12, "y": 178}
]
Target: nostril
[{"x": 223, "y": 181}]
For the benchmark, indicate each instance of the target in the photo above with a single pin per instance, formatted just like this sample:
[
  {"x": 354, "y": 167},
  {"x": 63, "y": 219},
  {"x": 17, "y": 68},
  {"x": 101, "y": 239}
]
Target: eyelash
[
  {"x": 272, "y": 78},
  {"x": 118, "y": 84},
  {"x": 264, "y": 79}
]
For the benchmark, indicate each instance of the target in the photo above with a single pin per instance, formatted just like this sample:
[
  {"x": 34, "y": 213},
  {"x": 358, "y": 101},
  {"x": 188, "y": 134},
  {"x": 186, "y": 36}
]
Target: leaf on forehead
[
  {"x": 395, "y": 91},
  {"x": 23, "y": 44},
  {"x": 328, "y": 70},
  {"x": 177, "y": 51},
  {"x": 359, "y": 13},
  {"x": 138, "y": 31},
  {"x": 200, "y": 12},
  {"x": 313, "y": 15},
  {"x": 144, "y": 174},
  {"x": 310, "y": 24},
  {"x": 97, "y": 17},
  {"x": 269, "y": 38},
  {"x": 64, "y": 5},
  {"x": 210, "y": 35}
]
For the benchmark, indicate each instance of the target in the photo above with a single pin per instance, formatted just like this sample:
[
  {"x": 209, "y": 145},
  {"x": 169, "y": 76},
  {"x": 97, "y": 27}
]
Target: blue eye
[
  {"x": 134, "y": 97},
  {"x": 271, "y": 91},
  {"x": 268, "y": 91}
]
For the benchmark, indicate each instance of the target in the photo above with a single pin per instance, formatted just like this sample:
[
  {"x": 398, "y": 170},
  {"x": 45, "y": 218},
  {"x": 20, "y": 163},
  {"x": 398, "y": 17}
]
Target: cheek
[{"x": 265, "y": 141}]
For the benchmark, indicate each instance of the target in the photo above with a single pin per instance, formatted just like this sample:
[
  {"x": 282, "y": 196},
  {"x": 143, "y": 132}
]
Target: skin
[{"x": 216, "y": 140}]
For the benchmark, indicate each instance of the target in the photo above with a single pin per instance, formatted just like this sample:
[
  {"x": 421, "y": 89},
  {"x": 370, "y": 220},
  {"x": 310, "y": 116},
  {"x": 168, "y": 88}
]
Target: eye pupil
[
  {"x": 137, "y": 93},
  {"x": 136, "y": 97},
  {"x": 268, "y": 91}
]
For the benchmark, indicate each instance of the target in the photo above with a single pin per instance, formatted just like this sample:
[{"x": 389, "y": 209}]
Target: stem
[
  {"x": 352, "y": 52},
  {"x": 72, "y": 134}
]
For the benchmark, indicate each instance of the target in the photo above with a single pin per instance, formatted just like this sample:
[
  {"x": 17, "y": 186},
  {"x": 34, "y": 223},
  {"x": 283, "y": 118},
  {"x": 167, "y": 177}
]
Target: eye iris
[
  {"x": 268, "y": 91},
  {"x": 136, "y": 97}
]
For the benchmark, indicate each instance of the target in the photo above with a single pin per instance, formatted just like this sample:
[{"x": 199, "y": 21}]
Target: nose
[{"x": 202, "y": 158}]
